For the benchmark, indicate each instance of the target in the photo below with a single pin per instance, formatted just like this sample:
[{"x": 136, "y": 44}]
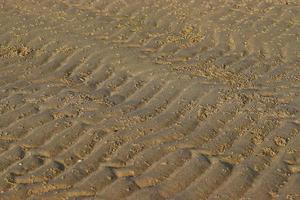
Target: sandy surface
[{"x": 149, "y": 99}]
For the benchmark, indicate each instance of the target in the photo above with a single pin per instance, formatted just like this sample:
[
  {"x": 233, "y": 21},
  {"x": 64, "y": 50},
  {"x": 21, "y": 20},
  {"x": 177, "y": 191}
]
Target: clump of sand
[{"x": 7, "y": 51}]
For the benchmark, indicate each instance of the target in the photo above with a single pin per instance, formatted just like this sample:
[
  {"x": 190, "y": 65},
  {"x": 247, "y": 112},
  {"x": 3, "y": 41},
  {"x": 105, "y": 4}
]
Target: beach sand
[{"x": 149, "y": 99}]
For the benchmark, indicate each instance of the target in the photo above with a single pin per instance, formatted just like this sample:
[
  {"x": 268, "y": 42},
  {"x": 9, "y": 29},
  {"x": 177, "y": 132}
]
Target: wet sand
[{"x": 149, "y": 99}]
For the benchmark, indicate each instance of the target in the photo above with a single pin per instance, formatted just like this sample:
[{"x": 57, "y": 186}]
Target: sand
[{"x": 149, "y": 99}]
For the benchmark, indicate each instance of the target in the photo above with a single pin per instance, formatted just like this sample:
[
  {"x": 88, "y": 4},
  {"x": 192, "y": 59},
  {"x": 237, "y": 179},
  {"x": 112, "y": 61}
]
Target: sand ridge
[{"x": 159, "y": 99}]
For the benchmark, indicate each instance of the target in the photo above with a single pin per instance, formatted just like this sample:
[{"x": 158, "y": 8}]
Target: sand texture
[{"x": 149, "y": 99}]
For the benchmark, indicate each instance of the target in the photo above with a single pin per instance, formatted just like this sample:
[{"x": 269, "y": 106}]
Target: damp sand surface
[{"x": 149, "y": 99}]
